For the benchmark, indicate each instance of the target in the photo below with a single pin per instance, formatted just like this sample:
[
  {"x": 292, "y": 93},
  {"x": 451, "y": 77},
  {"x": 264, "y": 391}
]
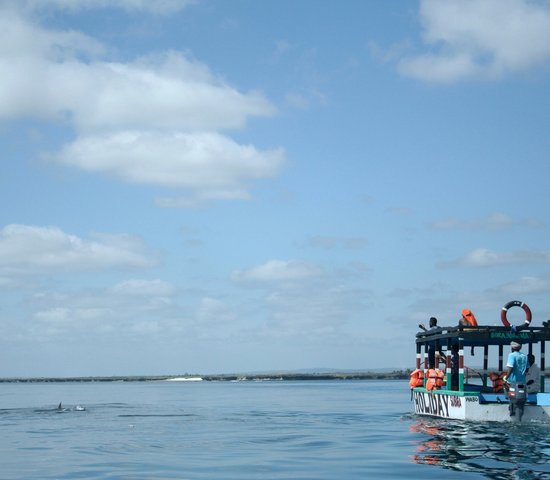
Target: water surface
[{"x": 251, "y": 430}]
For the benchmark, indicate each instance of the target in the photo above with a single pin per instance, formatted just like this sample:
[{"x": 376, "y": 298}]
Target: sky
[{"x": 212, "y": 186}]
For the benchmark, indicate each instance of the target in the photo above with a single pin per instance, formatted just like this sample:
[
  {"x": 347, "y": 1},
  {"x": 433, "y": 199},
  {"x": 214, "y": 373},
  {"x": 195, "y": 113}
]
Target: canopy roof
[{"x": 485, "y": 335}]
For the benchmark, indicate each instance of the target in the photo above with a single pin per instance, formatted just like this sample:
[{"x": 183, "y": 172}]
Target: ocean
[{"x": 335, "y": 429}]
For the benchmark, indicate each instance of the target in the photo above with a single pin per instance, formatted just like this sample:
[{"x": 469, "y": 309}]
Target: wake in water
[
  {"x": 499, "y": 451},
  {"x": 76, "y": 408},
  {"x": 29, "y": 411}
]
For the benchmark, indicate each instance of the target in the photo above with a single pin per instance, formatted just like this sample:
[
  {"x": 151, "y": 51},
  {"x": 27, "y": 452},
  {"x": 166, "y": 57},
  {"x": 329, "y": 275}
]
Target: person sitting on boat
[
  {"x": 532, "y": 378},
  {"x": 433, "y": 347},
  {"x": 516, "y": 364},
  {"x": 468, "y": 319}
]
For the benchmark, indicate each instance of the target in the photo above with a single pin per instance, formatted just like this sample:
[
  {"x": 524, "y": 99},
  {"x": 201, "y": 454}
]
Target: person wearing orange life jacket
[{"x": 468, "y": 319}]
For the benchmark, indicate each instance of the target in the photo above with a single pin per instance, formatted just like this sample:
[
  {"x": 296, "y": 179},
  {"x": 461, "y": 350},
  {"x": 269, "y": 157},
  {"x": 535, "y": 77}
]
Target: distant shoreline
[{"x": 395, "y": 375}]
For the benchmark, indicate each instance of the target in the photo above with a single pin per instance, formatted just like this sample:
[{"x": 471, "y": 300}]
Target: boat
[{"x": 469, "y": 394}]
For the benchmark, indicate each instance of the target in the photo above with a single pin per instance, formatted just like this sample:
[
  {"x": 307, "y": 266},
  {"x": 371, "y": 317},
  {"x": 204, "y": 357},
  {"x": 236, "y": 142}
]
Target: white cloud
[
  {"x": 277, "y": 271},
  {"x": 24, "y": 41},
  {"x": 209, "y": 163},
  {"x": 154, "y": 120},
  {"x": 144, "y": 288},
  {"x": 480, "y": 39},
  {"x": 483, "y": 257},
  {"x": 526, "y": 286},
  {"x": 32, "y": 249},
  {"x": 53, "y": 315},
  {"x": 159, "y": 92},
  {"x": 45, "y": 74},
  {"x": 134, "y": 306}
]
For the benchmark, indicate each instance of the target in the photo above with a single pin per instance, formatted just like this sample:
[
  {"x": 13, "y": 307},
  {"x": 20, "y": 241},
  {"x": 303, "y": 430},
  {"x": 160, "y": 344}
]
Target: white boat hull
[{"x": 455, "y": 405}]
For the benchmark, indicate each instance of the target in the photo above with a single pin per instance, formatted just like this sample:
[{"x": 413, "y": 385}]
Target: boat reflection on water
[{"x": 496, "y": 450}]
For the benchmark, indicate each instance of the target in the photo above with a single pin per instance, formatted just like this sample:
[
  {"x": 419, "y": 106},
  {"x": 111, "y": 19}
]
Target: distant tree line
[{"x": 369, "y": 375}]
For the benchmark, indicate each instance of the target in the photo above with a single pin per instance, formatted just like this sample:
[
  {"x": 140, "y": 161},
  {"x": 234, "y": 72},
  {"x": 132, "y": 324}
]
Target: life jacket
[
  {"x": 470, "y": 318},
  {"x": 417, "y": 378},
  {"x": 436, "y": 379},
  {"x": 498, "y": 381}
]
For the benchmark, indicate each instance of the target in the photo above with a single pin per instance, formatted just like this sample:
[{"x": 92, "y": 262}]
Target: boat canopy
[
  {"x": 533, "y": 338},
  {"x": 481, "y": 336}
]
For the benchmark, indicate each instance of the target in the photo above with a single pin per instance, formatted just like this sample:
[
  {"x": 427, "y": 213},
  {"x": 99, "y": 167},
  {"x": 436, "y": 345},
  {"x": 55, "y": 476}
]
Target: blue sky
[{"x": 214, "y": 187}]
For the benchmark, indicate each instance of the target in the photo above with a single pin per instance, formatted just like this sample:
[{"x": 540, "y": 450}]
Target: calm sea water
[{"x": 250, "y": 430}]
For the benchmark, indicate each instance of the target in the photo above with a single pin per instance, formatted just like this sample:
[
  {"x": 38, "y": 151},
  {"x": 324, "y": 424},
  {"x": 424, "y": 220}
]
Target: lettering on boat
[
  {"x": 472, "y": 399},
  {"x": 456, "y": 401},
  {"x": 510, "y": 335},
  {"x": 432, "y": 404}
]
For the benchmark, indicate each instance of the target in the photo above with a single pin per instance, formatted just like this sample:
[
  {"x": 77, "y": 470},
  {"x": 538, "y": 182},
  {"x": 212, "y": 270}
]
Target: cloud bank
[
  {"x": 29, "y": 249},
  {"x": 479, "y": 39},
  {"x": 277, "y": 271},
  {"x": 158, "y": 120},
  {"x": 485, "y": 257}
]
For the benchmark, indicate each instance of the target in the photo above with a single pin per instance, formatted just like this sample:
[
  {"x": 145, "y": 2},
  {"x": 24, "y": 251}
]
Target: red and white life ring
[{"x": 515, "y": 303}]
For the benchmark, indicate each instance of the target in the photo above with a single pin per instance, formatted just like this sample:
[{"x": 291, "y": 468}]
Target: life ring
[{"x": 515, "y": 303}]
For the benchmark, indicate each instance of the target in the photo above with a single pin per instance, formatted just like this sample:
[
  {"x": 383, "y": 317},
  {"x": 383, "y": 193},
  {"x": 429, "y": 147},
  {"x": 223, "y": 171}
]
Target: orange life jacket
[
  {"x": 417, "y": 378},
  {"x": 498, "y": 381},
  {"x": 470, "y": 318},
  {"x": 436, "y": 379}
]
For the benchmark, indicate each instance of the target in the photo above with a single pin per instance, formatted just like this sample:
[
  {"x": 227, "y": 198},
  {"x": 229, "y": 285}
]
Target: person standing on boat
[
  {"x": 533, "y": 375},
  {"x": 517, "y": 365},
  {"x": 515, "y": 379},
  {"x": 433, "y": 346}
]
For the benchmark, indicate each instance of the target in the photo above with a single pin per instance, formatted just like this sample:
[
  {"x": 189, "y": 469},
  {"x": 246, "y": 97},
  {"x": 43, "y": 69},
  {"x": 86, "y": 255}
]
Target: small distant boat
[
  {"x": 184, "y": 379},
  {"x": 482, "y": 397}
]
